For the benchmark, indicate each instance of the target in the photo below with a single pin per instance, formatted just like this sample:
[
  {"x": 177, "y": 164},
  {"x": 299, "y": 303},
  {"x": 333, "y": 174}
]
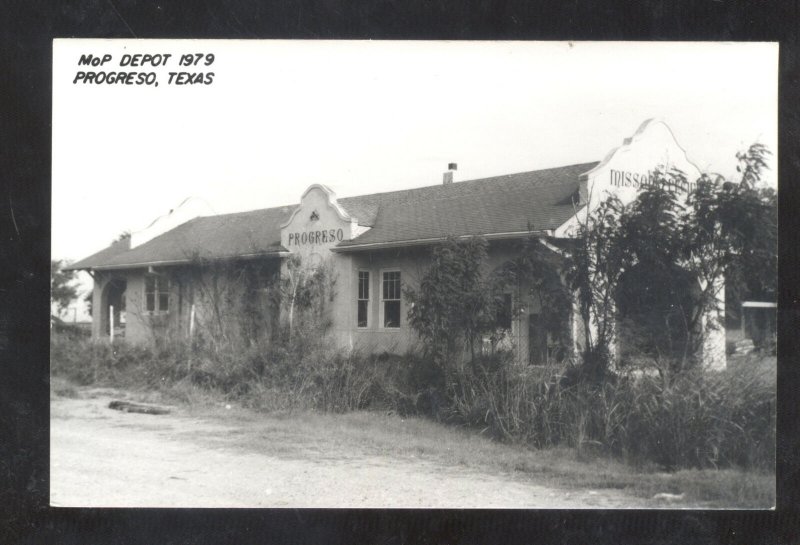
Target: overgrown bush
[
  {"x": 307, "y": 375},
  {"x": 543, "y": 406},
  {"x": 336, "y": 380},
  {"x": 456, "y": 304},
  {"x": 649, "y": 272},
  {"x": 697, "y": 419},
  {"x": 70, "y": 330},
  {"x": 86, "y": 362},
  {"x": 705, "y": 419}
]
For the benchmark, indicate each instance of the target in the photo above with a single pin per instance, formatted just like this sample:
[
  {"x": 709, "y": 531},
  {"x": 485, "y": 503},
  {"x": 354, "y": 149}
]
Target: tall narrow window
[
  {"x": 156, "y": 292},
  {"x": 391, "y": 299},
  {"x": 363, "y": 299}
]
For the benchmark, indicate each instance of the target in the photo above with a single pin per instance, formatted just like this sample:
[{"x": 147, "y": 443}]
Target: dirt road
[{"x": 102, "y": 457}]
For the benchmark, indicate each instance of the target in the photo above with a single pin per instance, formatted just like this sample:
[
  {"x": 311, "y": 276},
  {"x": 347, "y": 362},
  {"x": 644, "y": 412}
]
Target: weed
[{"x": 693, "y": 419}]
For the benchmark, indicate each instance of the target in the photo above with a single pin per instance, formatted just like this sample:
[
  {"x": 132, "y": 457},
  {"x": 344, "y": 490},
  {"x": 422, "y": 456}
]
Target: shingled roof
[
  {"x": 227, "y": 236},
  {"x": 539, "y": 200}
]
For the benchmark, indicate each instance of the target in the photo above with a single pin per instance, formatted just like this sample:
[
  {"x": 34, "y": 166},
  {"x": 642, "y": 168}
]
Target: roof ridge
[
  {"x": 470, "y": 181},
  {"x": 398, "y": 191},
  {"x": 243, "y": 212}
]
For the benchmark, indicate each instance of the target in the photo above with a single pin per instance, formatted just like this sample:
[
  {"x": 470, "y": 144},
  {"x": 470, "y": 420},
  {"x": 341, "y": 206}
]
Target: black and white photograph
[{"x": 414, "y": 274}]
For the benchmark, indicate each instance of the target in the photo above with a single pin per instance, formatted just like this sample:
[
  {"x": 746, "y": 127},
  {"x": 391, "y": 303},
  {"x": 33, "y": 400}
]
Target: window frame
[
  {"x": 368, "y": 299},
  {"x": 383, "y": 300},
  {"x": 158, "y": 291}
]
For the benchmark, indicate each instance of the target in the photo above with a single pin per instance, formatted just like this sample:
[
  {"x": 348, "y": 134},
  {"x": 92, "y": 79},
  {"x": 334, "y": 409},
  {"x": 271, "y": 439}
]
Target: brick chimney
[{"x": 448, "y": 176}]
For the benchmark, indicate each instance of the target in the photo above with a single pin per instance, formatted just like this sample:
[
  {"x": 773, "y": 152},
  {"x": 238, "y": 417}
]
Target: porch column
[{"x": 713, "y": 324}]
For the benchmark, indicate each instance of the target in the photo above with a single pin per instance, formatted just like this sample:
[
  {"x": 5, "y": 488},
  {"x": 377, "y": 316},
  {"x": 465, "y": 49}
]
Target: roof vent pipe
[{"x": 448, "y": 176}]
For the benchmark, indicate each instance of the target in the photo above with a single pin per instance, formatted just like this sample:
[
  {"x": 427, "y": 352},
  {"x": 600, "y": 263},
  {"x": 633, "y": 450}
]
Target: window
[
  {"x": 156, "y": 293},
  {"x": 504, "y": 312},
  {"x": 391, "y": 299},
  {"x": 363, "y": 299}
]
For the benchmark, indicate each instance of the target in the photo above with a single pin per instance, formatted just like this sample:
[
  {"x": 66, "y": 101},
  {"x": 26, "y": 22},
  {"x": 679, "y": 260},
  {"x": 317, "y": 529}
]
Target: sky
[{"x": 371, "y": 116}]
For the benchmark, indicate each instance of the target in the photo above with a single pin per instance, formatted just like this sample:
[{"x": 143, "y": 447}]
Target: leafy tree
[
  {"x": 748, "y": 212},
  {"x": 455, "y": 303},
  {"x": 62, "y": 291},
  {"x": 739, "y": 223},
  {"x": 594, "y": 268},
  {"x": 655, "y": 267},
  {"x": 669, "y": 281}
]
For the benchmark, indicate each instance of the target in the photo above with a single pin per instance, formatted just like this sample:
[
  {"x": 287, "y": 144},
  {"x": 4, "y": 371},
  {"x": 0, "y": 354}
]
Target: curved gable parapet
[
  {"x": 317, "y": 224},
  {"x": 332, "y": 202},
  {"x": 645, "y": 130},
  {"x": 628, "y": 168}
]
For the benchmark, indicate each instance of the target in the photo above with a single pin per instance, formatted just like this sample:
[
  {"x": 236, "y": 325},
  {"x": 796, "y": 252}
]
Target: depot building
[{"x": 375, "y": 245}]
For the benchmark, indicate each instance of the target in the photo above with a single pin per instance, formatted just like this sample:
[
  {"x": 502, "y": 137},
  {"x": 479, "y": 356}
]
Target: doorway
[{"x": 113, "y": 296}]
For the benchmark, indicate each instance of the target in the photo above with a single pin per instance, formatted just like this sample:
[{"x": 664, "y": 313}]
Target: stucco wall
[
  {"x": 412, "y": 264},
  {"x": 187, "y": 286},
  {"x": 136, "y": 324},
  {"x": 225, "y": 299}
]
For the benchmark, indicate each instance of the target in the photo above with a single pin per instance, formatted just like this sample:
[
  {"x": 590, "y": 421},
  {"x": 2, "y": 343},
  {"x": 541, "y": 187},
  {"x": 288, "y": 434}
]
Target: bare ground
[{"x": 103, "y": 457}]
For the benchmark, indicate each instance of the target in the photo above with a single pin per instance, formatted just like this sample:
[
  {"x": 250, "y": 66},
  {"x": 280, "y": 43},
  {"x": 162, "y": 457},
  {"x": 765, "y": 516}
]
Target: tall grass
[
  {"x": 694, "y": 419},
  {"x": 275, "y": 377}
]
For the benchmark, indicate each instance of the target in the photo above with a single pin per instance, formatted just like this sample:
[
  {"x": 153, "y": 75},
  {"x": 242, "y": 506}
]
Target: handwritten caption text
[{"x": 185, "y": 69}]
